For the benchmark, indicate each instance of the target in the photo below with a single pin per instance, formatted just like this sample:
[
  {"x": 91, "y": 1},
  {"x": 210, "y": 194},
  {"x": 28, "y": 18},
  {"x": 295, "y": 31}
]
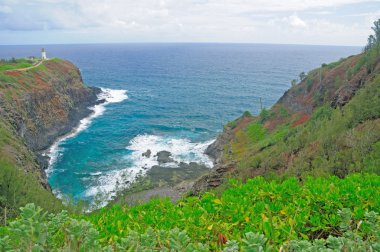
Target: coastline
[
  {"x": 157, "y": 182},
  {"x": 84, "y": 111},
  {"x": 104, "y": 96}
]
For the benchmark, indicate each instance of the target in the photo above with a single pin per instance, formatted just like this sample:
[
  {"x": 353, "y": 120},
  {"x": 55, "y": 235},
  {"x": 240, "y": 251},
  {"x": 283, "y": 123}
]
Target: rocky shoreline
[
  {"x": 41, "y": 105},
  {"x": 76, "y": 115},
  {"x": 162, "y": 180},
  {"x": 55, "y": 102},
  {"x": 190, "y": 179}
]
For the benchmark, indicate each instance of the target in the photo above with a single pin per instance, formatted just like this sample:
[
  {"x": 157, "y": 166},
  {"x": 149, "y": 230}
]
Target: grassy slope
[
  {"x": 18, "y": 187},
  {"x": 319, "y": 142},
  {"x": 301, "y": 136},
  {"x": 19, "y": 173},
  {"x": 16, "y": 64}
]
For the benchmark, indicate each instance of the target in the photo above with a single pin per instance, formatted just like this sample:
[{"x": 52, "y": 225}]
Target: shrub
[
  {"x": 247, "y": 114},
  {"x": 256, "y": 132},
  {"x": 266, "y": 114},
  {"x": 259, "y": 215},
  {"x": 232, "y": 124}
]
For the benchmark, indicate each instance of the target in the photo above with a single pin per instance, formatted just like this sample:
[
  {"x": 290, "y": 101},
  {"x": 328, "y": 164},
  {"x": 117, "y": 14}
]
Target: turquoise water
[{"x": 173, "y": 97}]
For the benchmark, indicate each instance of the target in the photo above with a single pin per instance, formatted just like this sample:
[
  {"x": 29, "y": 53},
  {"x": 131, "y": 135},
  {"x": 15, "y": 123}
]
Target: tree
[
  {"x": 294, "y": 82},
  {"x": 376, "y": 29},
  {"x": 371, "y": 42},
  {"x": 302, "y": 76},
  {"x": 374, "y": 40}
]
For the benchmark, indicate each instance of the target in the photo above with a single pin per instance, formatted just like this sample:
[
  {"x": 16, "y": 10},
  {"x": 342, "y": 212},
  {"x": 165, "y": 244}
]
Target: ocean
[{"x": 173, "y": 97}]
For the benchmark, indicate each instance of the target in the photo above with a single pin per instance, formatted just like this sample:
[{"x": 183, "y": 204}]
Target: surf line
[{"x": 106, "y": 94}]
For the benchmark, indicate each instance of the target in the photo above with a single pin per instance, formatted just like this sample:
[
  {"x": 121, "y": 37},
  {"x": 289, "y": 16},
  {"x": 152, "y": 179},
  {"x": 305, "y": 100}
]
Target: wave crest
[{"x": 182, "y": 150}]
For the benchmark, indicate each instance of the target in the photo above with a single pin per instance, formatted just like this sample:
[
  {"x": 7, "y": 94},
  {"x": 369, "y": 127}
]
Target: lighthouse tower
[{"x": 43, "y": 54}]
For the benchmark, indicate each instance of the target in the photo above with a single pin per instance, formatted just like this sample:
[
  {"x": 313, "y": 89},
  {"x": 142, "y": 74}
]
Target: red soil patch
[
  {"x": 242, "y": 123},
  {"x": 12, "y": 73},
  {"x": 271, "y": 124},
  {"x": 41, "y": 84},
  {"x": 303, "y": 118},
  {"x": 62, "y": 66}
]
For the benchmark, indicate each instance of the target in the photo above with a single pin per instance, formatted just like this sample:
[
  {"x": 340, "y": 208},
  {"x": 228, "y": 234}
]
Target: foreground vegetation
[
  {"x": 334, "y": 213},
  {"x": 317, "y": 151}
]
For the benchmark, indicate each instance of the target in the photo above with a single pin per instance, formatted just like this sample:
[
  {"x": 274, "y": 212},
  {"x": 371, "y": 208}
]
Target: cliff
[
  {"x": 36, "y": 106},
  {"x": 327, "y": 124}
]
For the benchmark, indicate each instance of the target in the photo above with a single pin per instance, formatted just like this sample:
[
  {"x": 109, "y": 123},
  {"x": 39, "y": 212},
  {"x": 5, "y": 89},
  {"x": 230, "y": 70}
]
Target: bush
[
  {"x": 255, "y": 216},
  {"x": 247, "y": 114},
  {"x": 232, "y": 124},
  {"x": 256, "y": 132},
  {"x": 265, "y": 114}
]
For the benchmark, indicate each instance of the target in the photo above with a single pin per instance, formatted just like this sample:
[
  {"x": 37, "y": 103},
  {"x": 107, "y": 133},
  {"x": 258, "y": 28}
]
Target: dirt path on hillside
[{"x": 26, "y": 68}]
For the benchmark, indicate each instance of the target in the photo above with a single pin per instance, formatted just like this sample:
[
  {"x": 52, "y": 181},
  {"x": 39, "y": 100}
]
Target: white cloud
[
  {"x": 297, "y": 22},
  {"x": 184, "y": 20},
  {"x": 5, "y": 9}
]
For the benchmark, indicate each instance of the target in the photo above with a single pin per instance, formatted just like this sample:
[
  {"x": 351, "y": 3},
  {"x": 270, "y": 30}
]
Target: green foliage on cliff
[
  {"x": 374, "y": 39},
  {"x": 329, "y": 126},
  {"x": 259, "y": 215},
  {"x": 331, "y": 140},
  {"x": 17, "y": 186},
  {"x": 256, "y": 132},
  {"x": 21, "y": 178}
]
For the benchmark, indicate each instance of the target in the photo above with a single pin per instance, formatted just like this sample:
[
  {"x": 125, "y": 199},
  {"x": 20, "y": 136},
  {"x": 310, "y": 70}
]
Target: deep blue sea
[{"x": 173, "y": 97}]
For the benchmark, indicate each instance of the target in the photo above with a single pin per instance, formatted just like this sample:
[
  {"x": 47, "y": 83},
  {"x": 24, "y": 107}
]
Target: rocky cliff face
[
  {"x": 335, "y": 83},
  {"x": 340, "y": 97},
  {"x": 39, "y": 105},
  {"x": 219, "y": 151}
]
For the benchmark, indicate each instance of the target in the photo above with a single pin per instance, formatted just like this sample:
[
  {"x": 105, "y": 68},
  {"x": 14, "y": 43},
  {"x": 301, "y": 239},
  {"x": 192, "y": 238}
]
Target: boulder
[
  {"x": 164, "y": 157},
  {"x": 147, "y": 153}
]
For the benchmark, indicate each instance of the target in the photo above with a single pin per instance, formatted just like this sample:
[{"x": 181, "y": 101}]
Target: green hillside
[
  {"x": 329, "y": 124},
  {"x": 301, "y": 176},
  {"x": 36, "y": 106},
  {"x": 18, "y": 187}
]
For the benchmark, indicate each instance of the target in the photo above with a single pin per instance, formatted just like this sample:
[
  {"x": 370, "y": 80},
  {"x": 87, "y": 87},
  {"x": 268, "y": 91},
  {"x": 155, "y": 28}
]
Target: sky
[{"x": 316, "y": 22}]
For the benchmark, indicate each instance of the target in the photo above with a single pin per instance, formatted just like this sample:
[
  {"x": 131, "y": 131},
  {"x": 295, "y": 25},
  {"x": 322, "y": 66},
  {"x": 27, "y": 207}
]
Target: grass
[
  {"x": 19, "y": 187},
  {"x": 15, "y": 64},
  {"x": 320, "y": 188},
  {"x": 332, "y": 142}
]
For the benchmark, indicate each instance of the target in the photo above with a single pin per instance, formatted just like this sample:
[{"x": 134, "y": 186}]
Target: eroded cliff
[
  {"x": 36, "y": 107},
  {"x": 327, "y": 124}
]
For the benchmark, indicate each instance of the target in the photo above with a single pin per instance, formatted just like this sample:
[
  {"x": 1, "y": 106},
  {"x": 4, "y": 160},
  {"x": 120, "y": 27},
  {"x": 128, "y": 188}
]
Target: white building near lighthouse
[{"x": 43, "y": 54}]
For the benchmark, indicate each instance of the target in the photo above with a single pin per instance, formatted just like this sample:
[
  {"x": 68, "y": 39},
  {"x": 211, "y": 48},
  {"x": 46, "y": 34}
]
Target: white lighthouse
[{"x": 43, "y": 54}]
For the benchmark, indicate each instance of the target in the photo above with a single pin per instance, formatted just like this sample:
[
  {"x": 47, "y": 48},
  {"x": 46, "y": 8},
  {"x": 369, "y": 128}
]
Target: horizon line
[{"x": 221, "y": 43}]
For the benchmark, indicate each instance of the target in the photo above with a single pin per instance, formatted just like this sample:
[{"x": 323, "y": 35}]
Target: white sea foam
[
  {"x": 183, "y": 150},
  {"x": 107, "y": 94},
  {"x": 95, "y": 173},
  {"x": 105, "y": 187}
]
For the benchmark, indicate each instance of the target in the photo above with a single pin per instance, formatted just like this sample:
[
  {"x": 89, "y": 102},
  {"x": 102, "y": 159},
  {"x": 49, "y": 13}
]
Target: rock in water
[
  {"x": 147, "y": 153},
  {"x": 164, "y": 157}
]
